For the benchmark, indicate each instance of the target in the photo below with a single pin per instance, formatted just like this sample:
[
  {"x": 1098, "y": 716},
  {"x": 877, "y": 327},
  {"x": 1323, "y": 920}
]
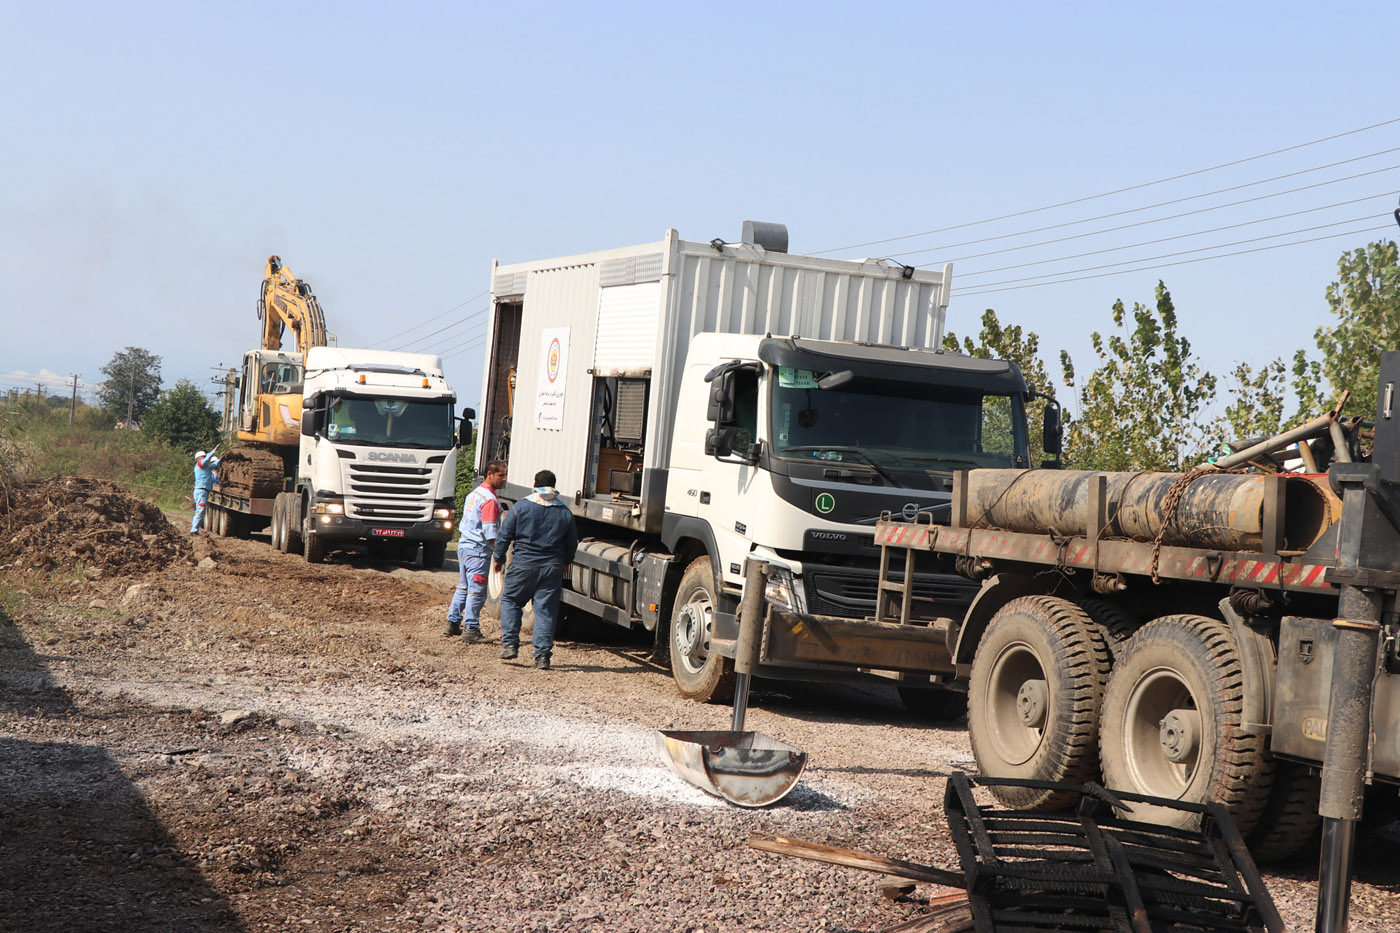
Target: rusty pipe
[
  {"x": 750, "y": 642},
  {"x": 1219, "y": 511}
]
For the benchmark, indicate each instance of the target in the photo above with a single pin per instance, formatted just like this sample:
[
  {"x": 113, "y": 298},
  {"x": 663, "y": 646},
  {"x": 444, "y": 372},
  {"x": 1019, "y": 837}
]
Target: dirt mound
[{"x": 54, "y": 523}]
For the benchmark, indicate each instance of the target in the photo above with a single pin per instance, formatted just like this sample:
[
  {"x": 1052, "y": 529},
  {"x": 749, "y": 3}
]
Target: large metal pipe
[
  {"x": 1222, "y": 511},
  {"x": 1346, "y": 757}
]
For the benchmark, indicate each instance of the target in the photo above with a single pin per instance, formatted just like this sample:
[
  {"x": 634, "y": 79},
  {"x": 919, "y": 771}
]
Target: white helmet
[{"x": 199, "y": 455}]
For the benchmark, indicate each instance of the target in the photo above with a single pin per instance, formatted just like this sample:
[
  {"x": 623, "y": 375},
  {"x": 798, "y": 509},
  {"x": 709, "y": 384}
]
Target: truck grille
[
  {"x": 850, "y": 592},
  {"x": 389, "y": 493}
]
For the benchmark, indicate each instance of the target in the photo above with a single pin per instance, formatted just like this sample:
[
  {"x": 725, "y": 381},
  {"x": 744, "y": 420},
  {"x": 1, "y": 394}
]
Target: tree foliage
[
  {"x": 1011, "y": 342},
  {"x": 1257, "y": 402},
  {"x": 1365, "y": 301},
  {"x": 183, "y": 418},
  {"x": 132, "y": 384},
  {"x": 1144, "y": 407}
]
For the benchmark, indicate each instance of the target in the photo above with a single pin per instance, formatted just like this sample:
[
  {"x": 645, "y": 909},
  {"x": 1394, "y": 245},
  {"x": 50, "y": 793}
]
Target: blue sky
[{"x": 154, "y": 154}]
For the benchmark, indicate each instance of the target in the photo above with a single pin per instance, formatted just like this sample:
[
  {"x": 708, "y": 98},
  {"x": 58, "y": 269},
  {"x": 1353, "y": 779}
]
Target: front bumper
[{"x": 334, "y": 527}]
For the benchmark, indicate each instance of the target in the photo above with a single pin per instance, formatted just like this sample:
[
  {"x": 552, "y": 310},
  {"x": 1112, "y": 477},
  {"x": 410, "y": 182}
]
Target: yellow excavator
[{"x": 269, "y": 389}]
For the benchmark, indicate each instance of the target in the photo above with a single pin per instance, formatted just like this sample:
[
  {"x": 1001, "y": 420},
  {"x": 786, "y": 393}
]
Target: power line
[
  {"x": 1183, "y": 262},
  {"x": 475, "y": 340},
  {"x": 1185, "y": 252},
  {"x": 458, "y": 323},
  {"x": 1094, "y": 197},
  {"x": 1154, "y": 220},
  {"x": 1193, "y": 197},
  {"x": 1179, "y": 236},
  {"x": 429, "y": 320}
]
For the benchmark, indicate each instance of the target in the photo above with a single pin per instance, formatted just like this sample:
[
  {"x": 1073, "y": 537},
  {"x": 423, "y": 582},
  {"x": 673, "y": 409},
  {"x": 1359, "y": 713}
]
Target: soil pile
[{"x": 54, "y": 523}]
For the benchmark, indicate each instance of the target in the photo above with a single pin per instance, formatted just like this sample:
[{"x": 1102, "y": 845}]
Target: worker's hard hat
[{"x": 199, "y": 455}]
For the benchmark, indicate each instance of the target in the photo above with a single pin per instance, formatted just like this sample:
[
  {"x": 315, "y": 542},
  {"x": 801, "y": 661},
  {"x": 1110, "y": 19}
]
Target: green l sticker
[{"x": 825, "y": 503}]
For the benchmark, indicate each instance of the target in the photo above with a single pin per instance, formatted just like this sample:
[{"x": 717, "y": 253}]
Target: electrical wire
[
  {"x": 1203, "y": 210},
  {"x": 429, "y": 320},
  {"x": 1179, "y": 236},
  {"x": 1155, "y": 220},
  {"x": 457, "y": 323},
  {"x": 1094, "y": 197},
  {"x": 1165, "y": 265},
  {"x": 462, "y": 344},
  {"x": 463, "y": 349}
]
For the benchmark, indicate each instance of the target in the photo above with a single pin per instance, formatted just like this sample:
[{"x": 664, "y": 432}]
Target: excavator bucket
[{"x": 749, "y": 769}]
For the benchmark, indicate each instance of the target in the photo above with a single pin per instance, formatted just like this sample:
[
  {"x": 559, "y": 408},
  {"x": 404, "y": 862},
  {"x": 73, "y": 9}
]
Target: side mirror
[
  {"x": 308, "y": 422},
  {"x": 721, "y": 408},
  {"x": 464, "y": 430},
  {"x": 1052, "y": 439},
  {"x": 719, "y": 442},
  {"x": 468, "y": 414}
]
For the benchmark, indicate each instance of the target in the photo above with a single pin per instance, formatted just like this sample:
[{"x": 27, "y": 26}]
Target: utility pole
[
  {"x": 131, "y": 395},
  {"x": 73, "y": 403}
]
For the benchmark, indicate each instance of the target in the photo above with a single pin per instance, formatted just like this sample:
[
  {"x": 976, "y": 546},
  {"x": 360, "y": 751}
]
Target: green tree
[
  {"x": 1011, "y": 342},
  {"x": 1143, "y": 407},
  {"x": 1365, "y": 300},
  {"x": 1257, "y": 406},
  {"x": 132, "y": 384},
  {"x": 183, "y": 418}
]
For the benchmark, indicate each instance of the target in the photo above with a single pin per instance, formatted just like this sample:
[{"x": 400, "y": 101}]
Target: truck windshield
[
  {"x": 390, "y": 422},
  {"x": 897, "y": 424}
]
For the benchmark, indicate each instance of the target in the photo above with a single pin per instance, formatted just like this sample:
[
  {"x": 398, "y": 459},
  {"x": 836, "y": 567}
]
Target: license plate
[{"x": 387, "y": 532}]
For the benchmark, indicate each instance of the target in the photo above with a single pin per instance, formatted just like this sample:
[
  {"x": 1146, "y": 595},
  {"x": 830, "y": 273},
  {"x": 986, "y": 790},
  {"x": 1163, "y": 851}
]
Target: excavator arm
[{"x": 287, "y": 303}]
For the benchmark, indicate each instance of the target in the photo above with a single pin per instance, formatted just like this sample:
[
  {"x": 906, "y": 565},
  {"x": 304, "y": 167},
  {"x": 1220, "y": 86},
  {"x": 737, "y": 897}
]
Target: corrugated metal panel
[
  {"x": 631, "y": 270},
  {"x": 627, "y": 320},
  {"x": 508, "y": 285}
]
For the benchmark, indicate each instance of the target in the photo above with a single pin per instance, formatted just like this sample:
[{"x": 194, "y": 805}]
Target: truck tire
[
  {"x": 279, "y": 524},
  {"x": 934, "y": 704},
  {"x": 218, "y": 521},
  {"x": 1034, "y": 699},
  {"x": 1290, "y": 822},
  {"x": 700, "y": 674},
  {"x": 1116, "y": 624},
  {"x": 292, "y": 531},
  {"x": 1172, "y": 723},
  {"x": 313, "y": 545},
  {"x": 434, "y": 554}
]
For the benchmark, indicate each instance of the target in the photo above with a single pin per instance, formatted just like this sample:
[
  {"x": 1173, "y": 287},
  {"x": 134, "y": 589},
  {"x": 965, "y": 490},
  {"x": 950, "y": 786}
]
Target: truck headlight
[
  {"x": 444, "y": 513},
  {"x": 779, "y": 590},
  {"x": 328, "y": 508}
]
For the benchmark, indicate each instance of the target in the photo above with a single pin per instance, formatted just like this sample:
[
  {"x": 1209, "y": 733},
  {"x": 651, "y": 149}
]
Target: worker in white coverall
[
  {"x": 206, "y": 465},
  {"x": 477, "y": 536}
]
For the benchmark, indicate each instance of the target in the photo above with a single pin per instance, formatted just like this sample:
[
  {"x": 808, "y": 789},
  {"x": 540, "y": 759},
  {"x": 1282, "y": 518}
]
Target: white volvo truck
[{"x": 702, "y": 403}]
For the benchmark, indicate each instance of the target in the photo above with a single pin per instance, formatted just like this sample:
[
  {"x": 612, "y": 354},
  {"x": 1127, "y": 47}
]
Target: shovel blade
[{"x": 748, "y": 769}]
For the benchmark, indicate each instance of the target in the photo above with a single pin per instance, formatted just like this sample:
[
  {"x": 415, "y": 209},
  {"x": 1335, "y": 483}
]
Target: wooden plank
[{"x": 851, "y": 858}]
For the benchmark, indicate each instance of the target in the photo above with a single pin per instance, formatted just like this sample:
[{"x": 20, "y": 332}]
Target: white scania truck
[
  {"x": 702, "y": 403},
  {"x": 376, "y": 461}
]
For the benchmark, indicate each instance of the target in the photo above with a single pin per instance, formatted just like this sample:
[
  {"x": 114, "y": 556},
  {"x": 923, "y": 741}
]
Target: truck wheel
[
  {"x": 1116, "y": 625},
  {"x": 434, "y": 554},
  {"x": 700, "y": 673},
  {"x": 1171, "y": 725},
  {"x": 1290, "y": 821},
  {"x": 935, "y": 704},
  {"x": 218, "y": 521},
  {"x": 1034, "y": 699},
  {"x": 292, "y": 530},
  {"x": 279, "y": 524},
  {"x": 313, "y": 545}
]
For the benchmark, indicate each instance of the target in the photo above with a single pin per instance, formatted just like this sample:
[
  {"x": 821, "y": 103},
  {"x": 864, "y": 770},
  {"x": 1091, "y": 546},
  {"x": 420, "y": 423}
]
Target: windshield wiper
[{"x": 864, "y": 457}]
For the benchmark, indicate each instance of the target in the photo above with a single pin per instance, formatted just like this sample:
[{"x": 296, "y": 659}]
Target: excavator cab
[{"x": 269, "y": 399}]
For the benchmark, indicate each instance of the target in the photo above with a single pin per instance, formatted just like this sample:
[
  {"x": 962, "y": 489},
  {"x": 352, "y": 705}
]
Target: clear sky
[{"x": 153, "y": 154}]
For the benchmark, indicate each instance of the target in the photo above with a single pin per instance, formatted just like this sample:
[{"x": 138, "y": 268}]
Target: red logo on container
[{"x": 553, "y": 366}]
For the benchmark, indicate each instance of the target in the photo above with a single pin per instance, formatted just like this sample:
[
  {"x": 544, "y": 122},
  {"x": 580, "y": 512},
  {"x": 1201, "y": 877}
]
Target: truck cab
[{"x": 791, "y": 450}]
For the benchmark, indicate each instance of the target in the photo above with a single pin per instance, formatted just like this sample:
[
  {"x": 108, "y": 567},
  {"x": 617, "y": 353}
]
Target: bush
[{"x": 183, "y": 418}]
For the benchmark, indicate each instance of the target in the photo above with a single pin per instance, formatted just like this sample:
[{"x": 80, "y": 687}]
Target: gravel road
[{"x": 262, "y": 744}]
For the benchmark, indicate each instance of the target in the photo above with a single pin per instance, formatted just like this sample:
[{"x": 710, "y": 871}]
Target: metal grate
[
  {"x": 1091, "y": 868},
  {"x": 376, "y": 492},
  {"x": 631, "y": 410},
  {"x": 849, "y": 592}
]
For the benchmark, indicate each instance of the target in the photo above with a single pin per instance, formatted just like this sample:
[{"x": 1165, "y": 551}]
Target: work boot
[
  {"x": 508, "y": 652},
  {"x": 473, "y": 636},
  {"x": 453, "y": 628},
  {"x": 542, "y": 662}
]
